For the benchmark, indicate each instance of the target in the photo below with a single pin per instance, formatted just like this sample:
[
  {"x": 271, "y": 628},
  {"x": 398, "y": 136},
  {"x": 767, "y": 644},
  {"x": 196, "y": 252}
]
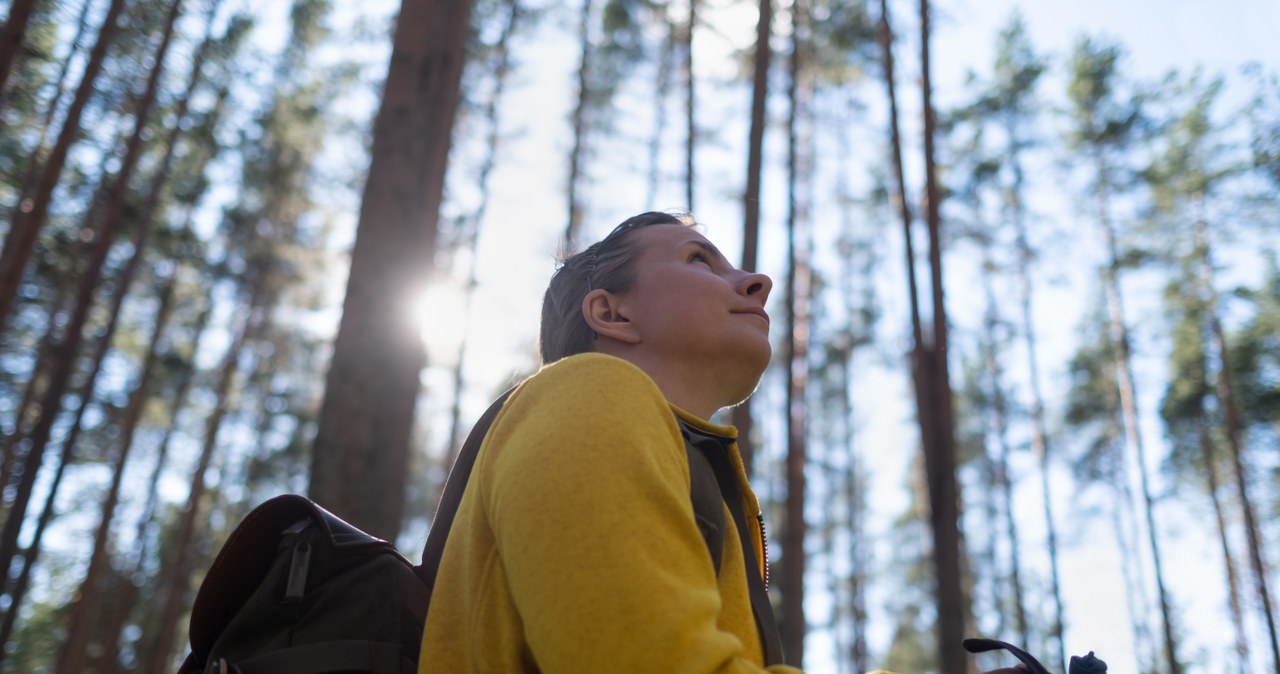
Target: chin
[{"x": 755, "y": 367}]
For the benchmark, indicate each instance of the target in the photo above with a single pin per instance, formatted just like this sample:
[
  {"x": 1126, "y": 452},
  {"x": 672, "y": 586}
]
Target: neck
[{"x": 684, "y": 386}]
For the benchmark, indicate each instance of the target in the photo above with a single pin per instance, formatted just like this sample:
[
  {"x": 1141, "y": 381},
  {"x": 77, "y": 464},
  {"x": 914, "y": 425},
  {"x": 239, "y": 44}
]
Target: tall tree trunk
[
  {"x": 858, "y": 653},
  {"x": 900, "y": 192},
  {"x": 1129, "y": 406},
  {"x": 494, "y": 139},
  {"x": 135, "y": 566},
  {"x": 372, "y": 385},
  {"x": 43, "y": 353},
  {"x": 30, "y": 215},
  {"x": 691, "y": 125},
  {"x": 1000, "y": 425},
  {"x": 581, "y": 127},
  {"x": 86, "y": 610},
  {"x": 1226, "y": 394},
  {"x": 65, "y": 354},
  {"x": 1224, "y": 540},
  {"x": 1039, "y": 434},
  {"x": 15, "y": 28},
  {"x": 751, "y": 199},
  {"x": 175, "y": 597},
  {"x": 794, "y": 558},
  {"x": 661, "y": 97},
  {"x": 940, "y": 454}
]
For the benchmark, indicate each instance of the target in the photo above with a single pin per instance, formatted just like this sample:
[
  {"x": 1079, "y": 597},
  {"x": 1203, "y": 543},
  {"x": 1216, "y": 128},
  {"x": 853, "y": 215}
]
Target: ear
[{"x": 602, "y": 311}]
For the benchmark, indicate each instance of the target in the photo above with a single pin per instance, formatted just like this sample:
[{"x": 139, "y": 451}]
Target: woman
[{"x": 576, "y": 547}]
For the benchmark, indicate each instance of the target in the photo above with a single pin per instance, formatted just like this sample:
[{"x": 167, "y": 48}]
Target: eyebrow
[{"x": 706, "y": 247}]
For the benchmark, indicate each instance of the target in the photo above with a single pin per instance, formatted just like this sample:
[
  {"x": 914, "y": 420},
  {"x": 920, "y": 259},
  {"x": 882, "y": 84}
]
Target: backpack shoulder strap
[
  {"x": 714, "y": 453},
  {"x": 708, "y": 505},
  {"x": 451, "y": 497}
]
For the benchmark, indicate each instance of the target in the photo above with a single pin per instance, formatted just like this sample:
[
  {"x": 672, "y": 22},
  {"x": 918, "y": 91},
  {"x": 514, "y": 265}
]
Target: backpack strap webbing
[
  {"x": 451, "y": 497},
  {"x": 717, "y": 454}
]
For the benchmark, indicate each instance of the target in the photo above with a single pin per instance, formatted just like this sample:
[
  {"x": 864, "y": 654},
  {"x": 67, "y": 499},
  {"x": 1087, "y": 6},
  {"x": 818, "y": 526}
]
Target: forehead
[{"x": 660, "y": 240}]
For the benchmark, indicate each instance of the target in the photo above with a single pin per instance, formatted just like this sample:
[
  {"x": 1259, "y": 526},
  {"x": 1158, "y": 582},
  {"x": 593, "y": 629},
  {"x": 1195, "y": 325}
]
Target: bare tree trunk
[
  {"x": 691, "y": 126},
  {"x": 86, "y": 609},
  {"x": 661, "y": 96},
  {"x": 15, "y": 28},
  {"x": 1039, "y": 435},
  {"x": 372, "y": 386},
  {"x": 940, "y": 458},
  {"x": 30, "y": 215},
  {"x": 857, "y": 655},
  {"x": 23, "y": 412},
  {"x": 175, "y": 596},
  {"x": 794, "y": 558},
  {"x": 999, "y": 410},
  {"x": 121, "y": 609},
  {"x": 1225, "y": 390},
  {"x": 578, "y": 153},
  {"x": 500, "y": 74},
  {"x": 900, "y": 193},
  {"x": 1228, "y": 559},
  {"x": 751, "y": 199},
  {"x": 1129, "y": 410}
]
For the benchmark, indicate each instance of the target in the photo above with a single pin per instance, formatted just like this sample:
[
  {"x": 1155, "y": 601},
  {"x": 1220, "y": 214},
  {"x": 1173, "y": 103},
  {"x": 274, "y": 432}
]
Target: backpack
[{"x": 297, "y": 590}]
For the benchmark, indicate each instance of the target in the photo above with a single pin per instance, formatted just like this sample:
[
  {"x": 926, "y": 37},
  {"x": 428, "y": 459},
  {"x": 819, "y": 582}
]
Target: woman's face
[{"x": 693, "y": 309}]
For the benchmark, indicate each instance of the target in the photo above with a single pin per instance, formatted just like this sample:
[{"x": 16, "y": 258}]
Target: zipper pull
[{"x": 299, "y": 563}]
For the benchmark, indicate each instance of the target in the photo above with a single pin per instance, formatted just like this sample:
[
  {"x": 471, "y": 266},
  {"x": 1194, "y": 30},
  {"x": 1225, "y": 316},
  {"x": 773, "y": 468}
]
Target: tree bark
[
  {"x": 15, "y": 28},
  {"x": 30, "y": 215},
  {"x": 661, "y": 96},
  {"x": 1225, "y": 390},
  {"x": 1224, "y": 540},
  {"x": 690, "y": 107},
  {"x": 940, "y": 458},
  {"x": 751, "y": 198},
  {"x": 793, "y": 624},
  {"x": 361, "y": 448},
  {"x": 578, "y": 153}
]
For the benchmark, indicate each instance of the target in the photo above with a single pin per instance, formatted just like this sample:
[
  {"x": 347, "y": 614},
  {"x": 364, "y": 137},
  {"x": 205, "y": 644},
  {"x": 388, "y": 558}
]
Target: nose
[{"x": 755, "y": 285}]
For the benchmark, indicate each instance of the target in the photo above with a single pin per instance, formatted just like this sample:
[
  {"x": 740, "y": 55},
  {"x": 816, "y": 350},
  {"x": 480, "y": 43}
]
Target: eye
[{"x": 699, "y": 256}]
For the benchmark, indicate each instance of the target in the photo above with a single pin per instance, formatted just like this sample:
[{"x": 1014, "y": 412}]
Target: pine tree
[
  {"x": 372, "y": 386},
  {"x": 1104, "y": 125}
]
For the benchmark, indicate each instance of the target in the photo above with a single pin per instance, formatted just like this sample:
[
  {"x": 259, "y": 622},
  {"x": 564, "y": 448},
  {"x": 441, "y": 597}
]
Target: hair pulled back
[{"x": 608, "y": 264}]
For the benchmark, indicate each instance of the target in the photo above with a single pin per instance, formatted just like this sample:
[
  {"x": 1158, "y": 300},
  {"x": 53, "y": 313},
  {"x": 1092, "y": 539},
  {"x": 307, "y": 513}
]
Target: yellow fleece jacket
[{"x": 575, "y": 548}]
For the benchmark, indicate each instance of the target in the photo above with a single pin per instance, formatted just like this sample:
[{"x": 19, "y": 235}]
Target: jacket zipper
[{"x": 764, "y": 548}]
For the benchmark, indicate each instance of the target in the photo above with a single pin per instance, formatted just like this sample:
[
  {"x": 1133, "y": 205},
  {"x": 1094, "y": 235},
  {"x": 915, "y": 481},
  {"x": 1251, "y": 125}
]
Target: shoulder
[
  {"x": 590, "y": 387},
  {"x": 589, "y": 419},
  {"x": 591, "y": 404}
]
